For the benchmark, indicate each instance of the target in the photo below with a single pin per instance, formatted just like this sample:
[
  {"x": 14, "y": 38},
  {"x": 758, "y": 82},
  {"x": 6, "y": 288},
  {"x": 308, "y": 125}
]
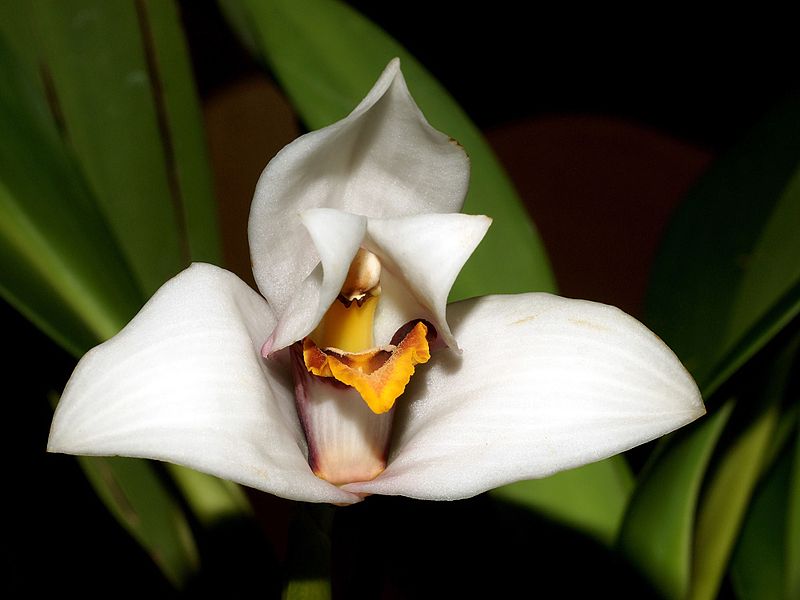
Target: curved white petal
[
  {"x": 382, "y": 160},
  {"x": 425, "y": 253},
  {"x": 543, "y": 384},
  {"x": 184, "y": 382},
  {"x": 336, "y": 235}
]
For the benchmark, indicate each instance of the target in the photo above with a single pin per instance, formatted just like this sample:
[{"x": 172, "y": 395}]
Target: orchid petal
[
  {"x": 183, "y": 382},
  {"x": 544, "y": 384},
  {"x": 336, "y": 236},
  {"x": 382, "y": 160},
  {"x": 425, "y": 253}
]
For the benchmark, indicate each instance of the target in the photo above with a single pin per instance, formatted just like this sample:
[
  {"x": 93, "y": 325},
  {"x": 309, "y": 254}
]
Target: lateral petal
[
  {"x": 425, "y": 253},
  {"x": 336, "y": 235},
  {"x": 184, "y": 382},
  {"x": 544, "y": 384}
]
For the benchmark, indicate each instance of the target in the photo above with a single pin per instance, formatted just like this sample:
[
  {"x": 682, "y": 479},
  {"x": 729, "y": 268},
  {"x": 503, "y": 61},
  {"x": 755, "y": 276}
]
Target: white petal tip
[
  {"x": 393, "y": 65},
  {"x": 696, "y": 413},
  {"x": 54, "y": 444}
]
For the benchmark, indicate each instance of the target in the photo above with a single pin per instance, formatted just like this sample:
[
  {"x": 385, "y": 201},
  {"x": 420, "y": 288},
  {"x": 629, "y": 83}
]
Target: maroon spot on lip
[{"x": 432, "y": 336}]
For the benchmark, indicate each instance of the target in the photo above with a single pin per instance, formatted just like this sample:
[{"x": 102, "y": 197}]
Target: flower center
[{"x": 342, "y": 345}]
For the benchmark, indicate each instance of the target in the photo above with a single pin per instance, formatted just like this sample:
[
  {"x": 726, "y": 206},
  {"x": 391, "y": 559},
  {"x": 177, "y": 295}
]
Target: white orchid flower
[{"x": 310, "y": 392}]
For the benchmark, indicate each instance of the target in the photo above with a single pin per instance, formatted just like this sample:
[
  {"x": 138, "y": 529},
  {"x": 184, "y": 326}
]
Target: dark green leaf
[
  {"x": 61, "y": 262},
  {"x": 211, "y": 500},
  {"x": 96, "y": 66},
  {"x": 327, "y": 56},
  {"x": 61, "y": 266},
  {"x": 309, "y": 554},
  {"x": 657, "y": 530},
  {"x": 760, "y": 569},
  {"x": 136, "y": 496},
  {"x": 134, "y": 493},
  {"x": 591, "y": 499},
  {"x": 740, "y": 463},
  {"x": 727, "y": 276},
  {"x": 182, "y": 129},
  {"x": 793, "y": 526}
]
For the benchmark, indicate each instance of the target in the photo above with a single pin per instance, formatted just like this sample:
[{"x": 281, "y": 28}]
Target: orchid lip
[{"x": 347, "y": 442}]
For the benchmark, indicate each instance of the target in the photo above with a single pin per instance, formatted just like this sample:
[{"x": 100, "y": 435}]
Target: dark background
[{"x": 602, "y": 125}]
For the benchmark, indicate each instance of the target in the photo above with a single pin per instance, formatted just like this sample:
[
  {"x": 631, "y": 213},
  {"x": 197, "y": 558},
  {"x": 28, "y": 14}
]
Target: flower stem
[{"x": 309, "y": 556}]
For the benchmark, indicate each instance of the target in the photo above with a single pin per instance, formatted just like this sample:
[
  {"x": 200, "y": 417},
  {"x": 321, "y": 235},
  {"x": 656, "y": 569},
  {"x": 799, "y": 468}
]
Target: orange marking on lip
[{"x": 380, "y": 375}]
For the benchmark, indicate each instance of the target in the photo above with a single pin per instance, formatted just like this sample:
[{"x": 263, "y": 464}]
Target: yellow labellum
[{"x": 380, "y": 375}]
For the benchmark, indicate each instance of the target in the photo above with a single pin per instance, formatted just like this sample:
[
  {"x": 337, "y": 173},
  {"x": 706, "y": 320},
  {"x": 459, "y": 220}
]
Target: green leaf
[
  {"x": 786, "y": 428},
  {"x": 793, "y": 526},
  {"x": 723, "y": 507},
  {"x": 212, "y": 500},
  {"x": 309, "y": 554},
  {"x": 20, "y": 40},
  {"x": 120, "y": 84},
  {"x": 656, "y": 534},
  {"x": 61, "y": 266},
  {"x": 99, "y": 79},
  {"x": 61, "y": 262},
  {"x": 182, "y": 132},
  {"x": 760, "y": 567},
  {"x": 133, "y": 492},
  {"x": 591, "y": 499},
  {"x": 727, "y": 494},
  {"x": 132, "y": 113},
  {"x": 728, "y": 266},
  {"x": 327, "y": 56},
  {"x": 307, "y": 589}
]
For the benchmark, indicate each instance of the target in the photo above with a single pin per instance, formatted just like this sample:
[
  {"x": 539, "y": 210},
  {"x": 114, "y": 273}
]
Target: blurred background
[{"x": 603, "y": 125}]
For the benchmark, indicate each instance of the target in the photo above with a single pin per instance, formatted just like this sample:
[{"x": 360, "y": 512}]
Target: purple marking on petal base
[
  {"x": 267, "y": 347},
  {"x": 347, "y": 442},
  {"x": 434, "y": 341}
]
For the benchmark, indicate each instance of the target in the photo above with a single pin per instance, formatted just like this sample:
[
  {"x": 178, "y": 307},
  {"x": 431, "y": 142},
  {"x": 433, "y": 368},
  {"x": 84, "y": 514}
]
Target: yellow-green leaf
[
  {"x": 740, "y": 463},
  {"x": 136, "y": 496},
  {"x": 591, "y": 499},
  {"x": 761, "y": 567},
  {"x": 657, "y": 530},
  {"x": 61, "y": 265}
]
